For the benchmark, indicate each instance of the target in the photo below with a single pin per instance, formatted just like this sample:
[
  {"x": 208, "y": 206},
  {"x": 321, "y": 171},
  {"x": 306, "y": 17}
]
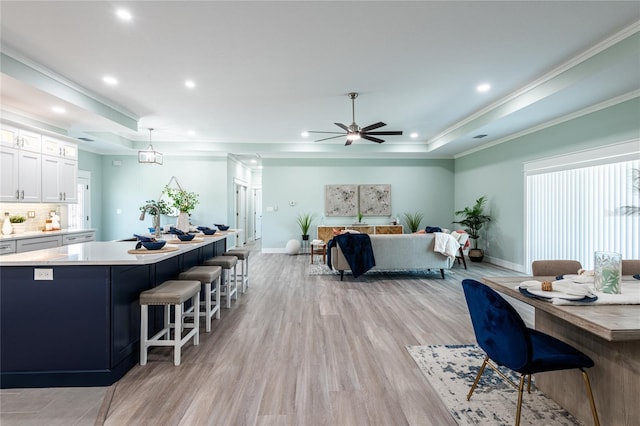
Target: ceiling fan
[{"x": 355, "y": 132}]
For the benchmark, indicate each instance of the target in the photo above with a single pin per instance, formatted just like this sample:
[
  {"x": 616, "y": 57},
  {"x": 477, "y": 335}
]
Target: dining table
[{"x": 608, "y": 333}]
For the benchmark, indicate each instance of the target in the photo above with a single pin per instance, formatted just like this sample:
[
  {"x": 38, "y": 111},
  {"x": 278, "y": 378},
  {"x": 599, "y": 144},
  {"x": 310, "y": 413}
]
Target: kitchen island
[{"x": 69, "y": 316}]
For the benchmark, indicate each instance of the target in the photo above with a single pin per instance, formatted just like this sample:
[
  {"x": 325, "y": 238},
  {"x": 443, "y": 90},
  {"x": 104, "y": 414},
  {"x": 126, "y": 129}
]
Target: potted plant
[
  {"x": 474, "y": 218},
  {"x": 162, "y": 205},
  {"x": 17, "y": 222},
  {"x": 304, "y": 221},
  {"x": 413, "y": 220},
  {"x": 184, "y": 202}
]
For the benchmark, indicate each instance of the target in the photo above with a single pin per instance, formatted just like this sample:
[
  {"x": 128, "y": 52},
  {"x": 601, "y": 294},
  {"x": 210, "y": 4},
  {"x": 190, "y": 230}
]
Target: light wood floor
[{"x": 294, "y": 350}]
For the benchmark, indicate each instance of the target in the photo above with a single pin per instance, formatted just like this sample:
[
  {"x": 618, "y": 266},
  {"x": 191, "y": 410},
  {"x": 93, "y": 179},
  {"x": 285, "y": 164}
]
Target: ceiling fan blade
[
  {"x": 371, "y": 138},
  {"x": 373, "y": 126},
  {"x": 387, "y": 133},
  {"x": 348, "y": 142},
  {"x": 331, "y": 137},
  {"x": 342, "y": 126},
  {"x": 319, "y": 131}
]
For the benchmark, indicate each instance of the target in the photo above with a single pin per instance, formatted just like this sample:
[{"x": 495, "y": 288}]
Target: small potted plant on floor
[
  {"x": 413, "y": 221},
  {"x": 18, "y": 223},
  {"x": 474, "y": 218},
  {"x": 304, "y": 221}
]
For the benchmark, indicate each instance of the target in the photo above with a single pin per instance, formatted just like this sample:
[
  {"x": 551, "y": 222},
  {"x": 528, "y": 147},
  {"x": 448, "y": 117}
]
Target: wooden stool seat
[
  {"x": 243, "y": 256},
  {"x": 207, "y": 275},
  {"x": 169, "y": 293},
  {"x": 228, "y": 287}
]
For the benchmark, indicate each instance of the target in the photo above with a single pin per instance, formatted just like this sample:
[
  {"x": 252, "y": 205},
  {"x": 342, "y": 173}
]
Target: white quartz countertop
[
  {"x": 102, "y": 253},
  {"x": 37, "y": 234}
]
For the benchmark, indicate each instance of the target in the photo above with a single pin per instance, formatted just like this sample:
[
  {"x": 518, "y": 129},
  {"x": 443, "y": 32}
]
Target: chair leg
[
  {"x": 464, "y": 262},
  {"x": 594, "y": 412},
  {"x": 475, "y": 383},
  {"x": 519, "y": 409},
  {"x": 529, "y": 383}
]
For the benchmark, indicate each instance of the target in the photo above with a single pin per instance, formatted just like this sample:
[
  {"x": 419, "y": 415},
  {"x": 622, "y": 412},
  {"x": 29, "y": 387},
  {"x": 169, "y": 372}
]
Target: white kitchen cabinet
[
  {"x": 38, "y": 243},
  {"x": 78, "y": 237},
  {"x": 59, "y": 179},
  {"x": 59, "y": 148},
  {"x": 20, "y": 175}
]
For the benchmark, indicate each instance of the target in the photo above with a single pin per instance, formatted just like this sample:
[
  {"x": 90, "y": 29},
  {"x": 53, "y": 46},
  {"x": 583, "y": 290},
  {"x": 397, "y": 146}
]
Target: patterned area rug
[{"x": 451, "y": 370}]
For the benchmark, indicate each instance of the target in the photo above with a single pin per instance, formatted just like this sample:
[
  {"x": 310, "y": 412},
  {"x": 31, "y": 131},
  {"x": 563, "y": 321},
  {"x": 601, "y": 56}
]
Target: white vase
[
  {"x": 183, "y": 222},
  {"x": 6, "y": 227},
  {"x": 18, "y": 228}
]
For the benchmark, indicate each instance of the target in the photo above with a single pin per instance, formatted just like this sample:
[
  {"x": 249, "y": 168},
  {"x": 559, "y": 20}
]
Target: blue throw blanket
[{"x": 357, "y": 251}]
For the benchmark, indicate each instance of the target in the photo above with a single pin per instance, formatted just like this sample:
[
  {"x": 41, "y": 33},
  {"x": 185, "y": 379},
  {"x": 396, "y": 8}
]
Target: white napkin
[
  {"x": 584, "y": 278},
  {"x": 562, "y": 286}
]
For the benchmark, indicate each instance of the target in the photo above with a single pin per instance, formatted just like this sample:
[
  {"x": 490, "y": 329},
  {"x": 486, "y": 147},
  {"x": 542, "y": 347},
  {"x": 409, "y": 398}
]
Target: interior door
[{"x": 257, "y": 213}]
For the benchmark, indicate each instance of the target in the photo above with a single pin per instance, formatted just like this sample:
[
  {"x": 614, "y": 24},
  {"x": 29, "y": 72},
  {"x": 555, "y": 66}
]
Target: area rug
[{"x": 451, "y": 370}]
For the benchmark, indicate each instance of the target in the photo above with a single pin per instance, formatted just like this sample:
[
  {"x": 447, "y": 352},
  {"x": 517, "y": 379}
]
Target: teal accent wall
[
  {"x": 93, "y": 163},
  {"x": 126, "y": 187},
  {"x": 416, "y": 185},
  {"x": 498, "y": 172}
]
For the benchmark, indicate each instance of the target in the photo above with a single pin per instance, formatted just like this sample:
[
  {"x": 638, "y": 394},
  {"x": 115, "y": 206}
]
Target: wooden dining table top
[{"x": 610, "y": 322}]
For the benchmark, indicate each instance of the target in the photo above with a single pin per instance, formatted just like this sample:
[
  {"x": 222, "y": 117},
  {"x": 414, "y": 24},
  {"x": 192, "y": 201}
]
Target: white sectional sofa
[{"x": 399, "y": 252}]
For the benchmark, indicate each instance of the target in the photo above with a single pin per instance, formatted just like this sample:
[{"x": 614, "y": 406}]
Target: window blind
[{"x": 572, "y": 213}]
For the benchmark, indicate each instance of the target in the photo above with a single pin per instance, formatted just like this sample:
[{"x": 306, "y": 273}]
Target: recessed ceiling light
[
  {"x": 413, "y": 135},
  {"x": 191, "y": 132},
  {"x": 254, "y": 161},
  {"x": 190, "y": 84},
  {"x": 111, "y": 81},
  {"x": 484, "y": 87},
  {"x": 124, "y": 14},
  {"x": 304, "y": 134},
  {"x": 58, "y": 109}
]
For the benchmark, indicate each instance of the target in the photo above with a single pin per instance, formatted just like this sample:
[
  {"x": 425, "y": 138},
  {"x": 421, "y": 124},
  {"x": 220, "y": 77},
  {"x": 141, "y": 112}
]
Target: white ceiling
[{"x": 265, "y": 71}]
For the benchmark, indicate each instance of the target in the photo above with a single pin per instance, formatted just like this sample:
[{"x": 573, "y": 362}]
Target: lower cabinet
[
  {"x": 38, "y": 243},
  {"x": 7, "y": 247},
  {"x": 79, "y": 237}
]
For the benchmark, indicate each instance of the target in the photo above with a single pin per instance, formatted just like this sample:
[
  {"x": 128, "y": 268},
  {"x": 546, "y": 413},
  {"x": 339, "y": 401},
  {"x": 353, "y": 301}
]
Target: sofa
[{"x": 400, "y": 252}]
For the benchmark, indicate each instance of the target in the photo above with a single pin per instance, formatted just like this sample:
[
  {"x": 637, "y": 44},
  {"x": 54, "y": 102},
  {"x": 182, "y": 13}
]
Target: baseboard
[{"x": 506, "y": 264}]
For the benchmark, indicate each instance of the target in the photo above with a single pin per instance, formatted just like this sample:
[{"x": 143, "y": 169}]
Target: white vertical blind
[{"x": 572, "y": 213}]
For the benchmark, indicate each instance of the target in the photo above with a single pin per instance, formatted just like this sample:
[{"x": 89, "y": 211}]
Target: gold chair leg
[
  {"x": 519, "y": 409},
  {"x": 594, "y": 412},
  {"x": 475, "y": 383}
]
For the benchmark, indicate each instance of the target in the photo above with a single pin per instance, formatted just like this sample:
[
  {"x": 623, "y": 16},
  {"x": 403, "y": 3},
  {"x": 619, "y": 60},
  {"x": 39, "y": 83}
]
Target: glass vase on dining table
[{"x": 607, "y": 272}]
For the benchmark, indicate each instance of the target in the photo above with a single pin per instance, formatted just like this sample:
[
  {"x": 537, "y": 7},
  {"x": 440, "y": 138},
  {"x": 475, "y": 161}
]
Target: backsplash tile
[{"x": 36, "y": 223}]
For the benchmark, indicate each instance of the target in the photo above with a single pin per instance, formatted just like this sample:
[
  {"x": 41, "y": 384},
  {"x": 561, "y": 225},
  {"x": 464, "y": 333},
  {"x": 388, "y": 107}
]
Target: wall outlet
[
  {"x": 43, "y": 274},
  {"x": 31, "y": 213}
]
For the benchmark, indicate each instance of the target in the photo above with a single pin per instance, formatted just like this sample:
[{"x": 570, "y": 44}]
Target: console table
[{"x": 325, "y": 233}]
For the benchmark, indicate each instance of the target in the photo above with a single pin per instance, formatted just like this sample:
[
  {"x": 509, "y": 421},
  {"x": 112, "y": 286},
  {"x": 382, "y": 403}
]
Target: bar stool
[
  {"x": 207, "y": 275},
  {"x": 169, "y": 293},
  {"x": 243, "y": 256},
  {"x": 228, "y": 287}
]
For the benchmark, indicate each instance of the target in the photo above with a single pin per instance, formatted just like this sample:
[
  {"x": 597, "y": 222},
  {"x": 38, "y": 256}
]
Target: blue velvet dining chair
[{"x": 506, "y": 340}]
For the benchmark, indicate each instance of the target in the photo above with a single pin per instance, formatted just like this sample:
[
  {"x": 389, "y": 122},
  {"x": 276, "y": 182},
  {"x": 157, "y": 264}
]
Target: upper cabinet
[
  {"x": 59, "y": 171},
  {"x": 36, "y": 168},
  {"x": 21, "y": 166}
]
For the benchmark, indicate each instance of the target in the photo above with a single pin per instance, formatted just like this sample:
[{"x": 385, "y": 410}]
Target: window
[{"x": 574, "y": 202}]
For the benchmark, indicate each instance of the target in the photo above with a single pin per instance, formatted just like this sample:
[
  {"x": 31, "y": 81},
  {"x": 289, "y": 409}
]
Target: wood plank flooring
[{"x": 295, "y": 350}]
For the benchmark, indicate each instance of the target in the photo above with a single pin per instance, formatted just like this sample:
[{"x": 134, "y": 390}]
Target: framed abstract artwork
[
  {"x": 341, "y": 200},
  {"x": 375, "y": 200}
]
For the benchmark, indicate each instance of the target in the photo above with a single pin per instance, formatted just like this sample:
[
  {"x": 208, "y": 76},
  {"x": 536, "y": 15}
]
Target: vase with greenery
[
  {"x": 413, "y": 220},
  {"x": 184, "y": 202},
  {"x": 163, "y": 207},
  {"x": 474, "y": 219},
  {"x": 304, "y": 221}
]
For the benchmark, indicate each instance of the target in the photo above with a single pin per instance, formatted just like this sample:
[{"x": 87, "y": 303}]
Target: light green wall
[
  {"x": 416, "y": 185},
  {"x": 126, "y": 187},
  {"x": 498, "y": 172},
  {"x": 93, "y": 163}
]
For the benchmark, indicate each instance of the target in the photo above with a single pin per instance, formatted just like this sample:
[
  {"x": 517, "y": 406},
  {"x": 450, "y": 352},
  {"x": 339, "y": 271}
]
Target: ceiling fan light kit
[{"x": 355, "y": 132}]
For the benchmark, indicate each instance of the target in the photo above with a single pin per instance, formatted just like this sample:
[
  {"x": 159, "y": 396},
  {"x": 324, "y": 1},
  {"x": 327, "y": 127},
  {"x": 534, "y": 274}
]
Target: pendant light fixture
[{"x": 150, "y": 155}]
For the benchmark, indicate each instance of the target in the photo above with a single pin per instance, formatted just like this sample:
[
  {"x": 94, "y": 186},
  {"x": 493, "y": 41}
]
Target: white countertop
[
  {"x": 102, "y": 253},
  {"x": 36, "y": 234}
]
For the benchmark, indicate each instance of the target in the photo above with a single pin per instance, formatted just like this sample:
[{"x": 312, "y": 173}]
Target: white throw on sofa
[{"x": 400, "y": 252}]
